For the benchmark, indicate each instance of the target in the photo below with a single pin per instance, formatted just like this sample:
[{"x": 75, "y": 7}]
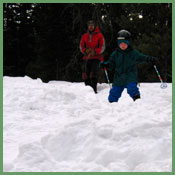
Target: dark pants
[
  {"x": 90, "y": 73},
  {"x": 116, "y": 91}
]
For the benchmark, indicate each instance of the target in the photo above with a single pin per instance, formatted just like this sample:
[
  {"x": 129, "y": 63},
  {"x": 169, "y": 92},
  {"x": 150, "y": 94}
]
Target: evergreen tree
[{"x": 42, "y": 40}]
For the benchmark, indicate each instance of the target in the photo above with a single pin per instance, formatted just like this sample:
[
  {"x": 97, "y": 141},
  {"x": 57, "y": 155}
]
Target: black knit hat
[{"x": 91, "y": 22}]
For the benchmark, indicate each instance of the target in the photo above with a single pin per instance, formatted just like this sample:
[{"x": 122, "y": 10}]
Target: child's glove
[
  {"x": 103, "y": 64},
  {"x": 153, "y": 60}
]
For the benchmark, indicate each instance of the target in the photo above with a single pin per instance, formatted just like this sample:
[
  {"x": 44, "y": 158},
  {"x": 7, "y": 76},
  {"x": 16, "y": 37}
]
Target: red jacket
[{"x": 94, "y": 41}]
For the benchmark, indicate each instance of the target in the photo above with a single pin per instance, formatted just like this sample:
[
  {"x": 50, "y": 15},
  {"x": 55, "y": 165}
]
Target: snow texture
[{"x": 64, "y": 127}]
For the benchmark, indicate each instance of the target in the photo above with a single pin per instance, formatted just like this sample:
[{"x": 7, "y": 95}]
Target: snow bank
[{"x": 65, "y": 127}]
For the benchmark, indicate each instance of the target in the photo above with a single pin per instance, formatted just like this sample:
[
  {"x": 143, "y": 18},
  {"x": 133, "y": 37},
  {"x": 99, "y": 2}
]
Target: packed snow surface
[{"x": 65, "y": 127}]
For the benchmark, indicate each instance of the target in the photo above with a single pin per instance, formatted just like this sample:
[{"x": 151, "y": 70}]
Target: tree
[
  {"x": 42, "y": 40},
  {"x": 18, "y": 38}
]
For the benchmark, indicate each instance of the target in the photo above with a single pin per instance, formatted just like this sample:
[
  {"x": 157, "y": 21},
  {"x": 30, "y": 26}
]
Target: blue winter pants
[{"x": 116, "y": 91}]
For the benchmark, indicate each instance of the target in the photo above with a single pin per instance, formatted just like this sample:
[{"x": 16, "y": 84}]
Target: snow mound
[{"x": 65, "y": 127}]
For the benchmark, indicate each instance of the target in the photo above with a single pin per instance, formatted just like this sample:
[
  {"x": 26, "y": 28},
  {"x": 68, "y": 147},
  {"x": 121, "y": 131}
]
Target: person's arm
[
  {"x": 101, "y": 47},
  {"x": 110, "y": 64},
  {"x": 82, "y": 45},
  {"x": 141, "y": 58},
  {"x": 111, "y": 61}
]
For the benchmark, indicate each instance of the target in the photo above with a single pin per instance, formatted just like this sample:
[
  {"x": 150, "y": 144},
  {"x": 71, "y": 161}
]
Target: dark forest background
[{"x": 42, "y": 40}]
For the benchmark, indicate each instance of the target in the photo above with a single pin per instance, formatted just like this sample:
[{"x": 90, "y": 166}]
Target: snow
[{"x": 65, "y": 127}]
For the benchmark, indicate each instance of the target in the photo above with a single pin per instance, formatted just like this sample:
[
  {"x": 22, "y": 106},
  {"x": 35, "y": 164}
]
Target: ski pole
[
  {"x": 163, "y": 85},
  {"x": 107, "y": 76}
]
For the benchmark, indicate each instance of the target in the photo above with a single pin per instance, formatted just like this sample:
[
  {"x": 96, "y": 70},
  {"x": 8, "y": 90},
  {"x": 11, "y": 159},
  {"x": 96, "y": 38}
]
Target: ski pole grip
[{"x": 105, "y": 69}]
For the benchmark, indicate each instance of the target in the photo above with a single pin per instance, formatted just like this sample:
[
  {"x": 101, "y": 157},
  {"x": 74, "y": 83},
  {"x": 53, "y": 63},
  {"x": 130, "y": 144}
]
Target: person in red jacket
[{"x": 92, "y": 45}]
